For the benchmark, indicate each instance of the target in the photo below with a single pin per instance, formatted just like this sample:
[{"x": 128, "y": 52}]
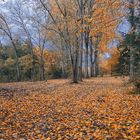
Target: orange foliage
[
  {"x": 108, "y": 64},
  {"x": 50, "y": 58},
  {"x": 99, "y": 108},
  {"x": 105, "y": 19}
]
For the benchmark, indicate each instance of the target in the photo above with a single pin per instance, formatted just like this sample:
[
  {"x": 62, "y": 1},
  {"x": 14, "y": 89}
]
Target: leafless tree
[{"x": 5, "y": 27}]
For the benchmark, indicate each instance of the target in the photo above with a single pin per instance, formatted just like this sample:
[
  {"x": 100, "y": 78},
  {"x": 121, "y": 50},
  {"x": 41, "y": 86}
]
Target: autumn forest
[{"x": 69, "y": 70}]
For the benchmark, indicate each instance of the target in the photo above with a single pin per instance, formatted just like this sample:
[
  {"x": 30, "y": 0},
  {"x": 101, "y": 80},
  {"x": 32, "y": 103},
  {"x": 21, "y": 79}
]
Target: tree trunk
[
  {"x": 62, "y": 68},
  {"x": 81, "y": 13},
  {"x": 41, "y": 69},
  {"x": 74, "y": 75},
  {"x": 86, "y": 58},
  {"x": 80, "y": 58},
  {"x": 18, "y": 76},
  {"x": 33, "y": 63},
  {"x": 63, "y": 59},
  {"x": 96, "y": 64},
  {"x": 42, "y": 66},
  {"x": 75, "y": 68},
  {"x": 133, "y": 29},
  {"x": 111, "y": 71},
  {"x": 75, "y": 62},
  {"x": 91, "y": 59},
  {"x": 131, "y": 72}
]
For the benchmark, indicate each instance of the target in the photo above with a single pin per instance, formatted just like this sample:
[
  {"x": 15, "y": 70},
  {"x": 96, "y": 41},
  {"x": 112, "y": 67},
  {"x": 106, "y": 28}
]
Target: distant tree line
[{"x": 51, "y": 64}]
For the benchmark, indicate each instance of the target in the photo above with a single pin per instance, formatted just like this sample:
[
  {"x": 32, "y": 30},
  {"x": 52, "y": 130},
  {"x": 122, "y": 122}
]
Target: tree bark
[
  {"x": 96, "y": 64},
  {"x": 18, "y": 76},
  {"x": 42, "y": 69},
  {"x": 75, "y": 69},
  {"x": 86, "y": 55},
  {"x": 133, "y": 28},
  {"x": 131, "y": 71},
  {"x": 81, "y": 12},
  {"x": 91, "y": 58},
  {"x": 80, "y": 58}
]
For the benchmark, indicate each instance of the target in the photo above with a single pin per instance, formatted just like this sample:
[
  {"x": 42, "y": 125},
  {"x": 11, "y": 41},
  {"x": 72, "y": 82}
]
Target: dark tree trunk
[
  {"x": 18, "y": 76},
  {"x": 81, "y": 14},
  {"x": 132, "y": 59},
  {"x": 91, "y": 59},
  {"x": 133, "y": 29},
  {"x": 41, "y": 69},
  {"x": 75, "y": 69},
  {"x": 80, "y": 58},
  {"x": 74, "y": 75},
  {"x": 86, "y": 57},
  {"x": 33, "y": 63}
]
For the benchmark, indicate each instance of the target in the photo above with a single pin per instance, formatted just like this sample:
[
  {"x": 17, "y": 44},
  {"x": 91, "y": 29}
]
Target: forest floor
[{"x": 96, "y": 109}]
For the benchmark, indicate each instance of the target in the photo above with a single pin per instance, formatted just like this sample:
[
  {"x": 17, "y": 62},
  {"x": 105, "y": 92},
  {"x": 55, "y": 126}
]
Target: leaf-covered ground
[{"x": 96, "y": 109}]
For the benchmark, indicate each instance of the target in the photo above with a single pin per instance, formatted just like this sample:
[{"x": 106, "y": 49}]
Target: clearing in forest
[{"x": 96, "y": 109}]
